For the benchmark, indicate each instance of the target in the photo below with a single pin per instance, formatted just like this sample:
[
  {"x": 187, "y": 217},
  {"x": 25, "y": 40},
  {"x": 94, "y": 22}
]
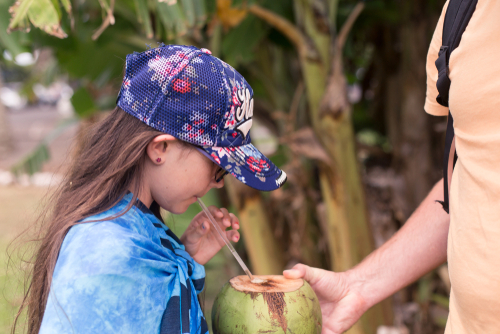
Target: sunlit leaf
[
  {"x": 19, "y": 13},
  {"x": 55, "y": 4},
  {"x": 230, "y": 17},
  {"x": 43, "y": 15}
]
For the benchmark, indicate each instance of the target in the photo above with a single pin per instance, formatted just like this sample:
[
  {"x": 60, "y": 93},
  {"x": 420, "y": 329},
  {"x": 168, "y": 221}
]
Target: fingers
[
  {"x": 224, "y": 218},
  {"x": 220, "y": 215},
  {"x": 233, "y": 235},
  {"x": 216, "y": 212},
  {"x": 235, "y": 223},
  {"x": 296, "y": 272},
  {"x": 312, "y": 275},
  {"x": 201, "y": 228}
]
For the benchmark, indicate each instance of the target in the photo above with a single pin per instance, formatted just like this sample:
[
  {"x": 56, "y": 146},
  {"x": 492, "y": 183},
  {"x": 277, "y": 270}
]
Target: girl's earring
[{"x": 158, "y": 160}]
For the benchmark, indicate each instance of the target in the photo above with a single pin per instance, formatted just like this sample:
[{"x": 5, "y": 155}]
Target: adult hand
[
  {"x": 202, "y": 241},
  {"x": 341, "y": 303}
]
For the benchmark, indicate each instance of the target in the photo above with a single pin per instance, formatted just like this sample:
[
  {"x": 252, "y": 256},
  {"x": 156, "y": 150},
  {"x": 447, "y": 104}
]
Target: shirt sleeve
[{"x": 431, "y": 106}]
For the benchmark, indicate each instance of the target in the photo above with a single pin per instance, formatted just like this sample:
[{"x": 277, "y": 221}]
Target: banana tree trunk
[
  {"x": 330, "y": 113},
  {"x": 265, "y": 255},
  {"x": 348, "y": 231}
]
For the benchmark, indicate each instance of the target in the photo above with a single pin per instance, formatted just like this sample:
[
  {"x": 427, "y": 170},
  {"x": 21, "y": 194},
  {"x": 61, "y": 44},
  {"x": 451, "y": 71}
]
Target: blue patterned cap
[{"x": 190, "y": 94}]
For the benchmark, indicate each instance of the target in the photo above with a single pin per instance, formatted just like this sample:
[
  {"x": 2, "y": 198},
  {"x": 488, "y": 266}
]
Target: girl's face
[{"x": 175, "y": 175}]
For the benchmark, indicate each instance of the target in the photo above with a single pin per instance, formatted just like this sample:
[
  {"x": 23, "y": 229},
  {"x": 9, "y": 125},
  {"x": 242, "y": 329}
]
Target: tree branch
[
  {"x": 109, "y": 20},
  {"x": 283, "y": 25},
  {"x": 346, "y": 28}
]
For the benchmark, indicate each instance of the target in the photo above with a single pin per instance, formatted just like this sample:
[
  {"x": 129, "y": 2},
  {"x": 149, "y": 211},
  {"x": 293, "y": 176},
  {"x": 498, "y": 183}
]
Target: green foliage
[
  {"x": 33, "y": 162},
  {"x": 16, "y": 41},
  {"x": 143, "y": 17},
  {"x": 98, "y": 65},
  {"x": 43, "y": 14},
  {"x": 238, "y": 45},
  {"x": 441, "y": 300},
  {"x": 280, "y": 157},
  {"x": 261, "y": 53},
  {"x": 83, "y": 103},
  {"x": 20, "y": 12},
  {"x": 66, "y": 4}
]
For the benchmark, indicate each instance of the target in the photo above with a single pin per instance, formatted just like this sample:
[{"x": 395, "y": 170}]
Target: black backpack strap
[
  {"x": 450, "y": 135},
  {"x": 456, "y": 20}
]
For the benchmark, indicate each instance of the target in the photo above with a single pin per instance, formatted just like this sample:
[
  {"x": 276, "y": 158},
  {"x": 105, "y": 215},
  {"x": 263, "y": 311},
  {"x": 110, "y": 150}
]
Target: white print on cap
[
  {"x": 281, "y": 179},
  {"x": 244, "y": 113}
]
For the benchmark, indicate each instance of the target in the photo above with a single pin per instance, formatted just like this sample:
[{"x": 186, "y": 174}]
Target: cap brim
[{"x": 247, "y": 164}]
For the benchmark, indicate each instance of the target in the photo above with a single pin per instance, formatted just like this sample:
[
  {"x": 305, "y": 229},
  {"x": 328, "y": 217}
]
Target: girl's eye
[{"x": 219, "y": 174}]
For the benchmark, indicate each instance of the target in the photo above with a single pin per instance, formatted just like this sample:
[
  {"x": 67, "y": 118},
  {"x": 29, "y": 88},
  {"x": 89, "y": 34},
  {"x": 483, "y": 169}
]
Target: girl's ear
[{"x": 157, "y": 148}]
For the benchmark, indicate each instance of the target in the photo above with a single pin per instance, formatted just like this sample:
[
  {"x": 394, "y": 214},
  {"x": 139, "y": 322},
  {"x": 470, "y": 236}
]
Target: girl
[{"x": 107, "y": 263}]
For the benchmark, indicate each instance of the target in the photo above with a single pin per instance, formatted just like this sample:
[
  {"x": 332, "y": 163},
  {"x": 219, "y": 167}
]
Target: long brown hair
[{"x": 109, "y": 162}]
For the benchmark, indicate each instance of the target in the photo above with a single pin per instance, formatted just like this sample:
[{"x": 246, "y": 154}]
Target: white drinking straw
[{"x": 223, "y": 236}]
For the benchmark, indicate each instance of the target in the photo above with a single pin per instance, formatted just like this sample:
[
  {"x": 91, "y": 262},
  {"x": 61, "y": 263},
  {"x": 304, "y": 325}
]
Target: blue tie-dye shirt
[{"x": 129, "y": 274}]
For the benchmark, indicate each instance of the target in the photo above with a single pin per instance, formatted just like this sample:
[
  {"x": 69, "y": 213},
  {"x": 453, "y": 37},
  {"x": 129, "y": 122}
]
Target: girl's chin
[{"x": 182, "y": 207}]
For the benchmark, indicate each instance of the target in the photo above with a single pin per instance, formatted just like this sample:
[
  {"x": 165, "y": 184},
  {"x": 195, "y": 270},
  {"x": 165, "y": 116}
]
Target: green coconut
[{"x": 278, "y": 305}]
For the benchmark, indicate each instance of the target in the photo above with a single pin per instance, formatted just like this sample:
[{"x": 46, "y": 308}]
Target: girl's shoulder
[
  {"x": 112, "y": 272},
  {"x": 110, "y": 226},
  {"x": 120, "y": 221},
  {"x": 110, "y": 239}
]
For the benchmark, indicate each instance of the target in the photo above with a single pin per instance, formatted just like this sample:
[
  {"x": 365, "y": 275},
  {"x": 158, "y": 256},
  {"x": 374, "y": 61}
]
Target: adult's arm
[{"x": 417, "y": 248}]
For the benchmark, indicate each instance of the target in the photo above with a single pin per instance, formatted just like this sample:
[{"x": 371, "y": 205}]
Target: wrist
[{"x": 363, "y": 286}]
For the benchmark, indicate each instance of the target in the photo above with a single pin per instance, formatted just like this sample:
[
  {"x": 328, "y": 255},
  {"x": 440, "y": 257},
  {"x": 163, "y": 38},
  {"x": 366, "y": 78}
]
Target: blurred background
[{"x": 339, "y": 92}]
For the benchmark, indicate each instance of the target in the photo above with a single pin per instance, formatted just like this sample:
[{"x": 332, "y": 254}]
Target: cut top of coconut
[{"x": 271, "y": 283}]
